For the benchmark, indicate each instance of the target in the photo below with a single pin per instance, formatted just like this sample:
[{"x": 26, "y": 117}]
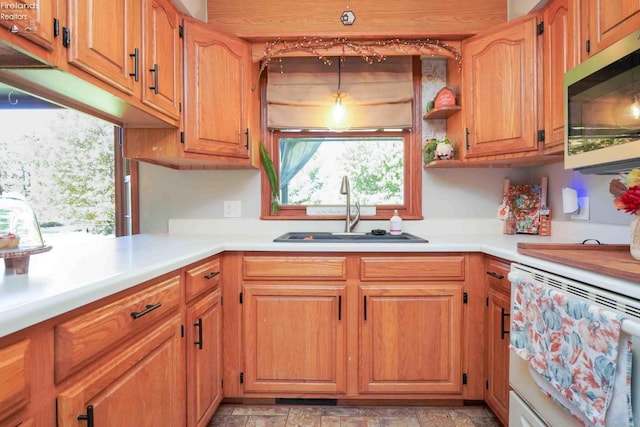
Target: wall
[{"x": 446, "y": 193}]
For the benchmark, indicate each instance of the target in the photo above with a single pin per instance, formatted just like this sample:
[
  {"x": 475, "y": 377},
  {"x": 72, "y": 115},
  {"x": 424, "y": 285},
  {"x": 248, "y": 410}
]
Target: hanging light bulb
[
  {"x": 635, "y": 108},
  {"x": 338, "y": 120}
]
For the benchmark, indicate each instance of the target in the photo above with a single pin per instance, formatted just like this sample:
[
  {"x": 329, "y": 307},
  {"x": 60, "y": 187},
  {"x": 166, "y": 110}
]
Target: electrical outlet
[
  {"x": 583, "y": 211},
  {"x": 232, "y": 208}
]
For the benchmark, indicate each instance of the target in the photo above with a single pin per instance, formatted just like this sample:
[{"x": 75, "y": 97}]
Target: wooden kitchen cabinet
[
  {"x": 219, "y": 108},
  {"x": 294, "y": 337},
  {"x": 104, "y": 40},
  {"x": 608, "y": 22},
  {"x": 217, "y": 94},
  {"x": 410, "y": 338},
  {"x": 140, "y": 385},
  {"x": 558, "y": 57},
  {"x": 354, "y": 326},
  {"x": 162, "y": 57},
  {"x": 82, "y": 339},
  {"x": 498, "y": 304},
  {"x": 35, "y": 28},
  {"x": 204, "y": 341},
  {"x": 15, "y": 393},
  {"x": 500, "y": 89}
]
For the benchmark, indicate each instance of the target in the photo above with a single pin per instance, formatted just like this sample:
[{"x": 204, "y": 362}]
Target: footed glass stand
[{"x": 16, "y": 261}]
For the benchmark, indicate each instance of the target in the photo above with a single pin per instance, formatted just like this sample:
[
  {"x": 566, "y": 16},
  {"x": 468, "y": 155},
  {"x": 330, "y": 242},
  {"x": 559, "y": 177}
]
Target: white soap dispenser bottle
[{"x": 395, "y": 224}]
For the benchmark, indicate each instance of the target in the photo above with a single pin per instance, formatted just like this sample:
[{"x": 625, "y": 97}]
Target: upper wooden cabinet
[
  {"x": 609, "y": 21},
  {"x": 37, "y": 23},
  {"x": 500, "y": 86},
  {"x": 217, "y": 93},
  {"x": 131, "y": 46},
  {"x": 558, "y": 57},
  {"x": 103, "y": 39},
  {"x": 161, "y": 75}
]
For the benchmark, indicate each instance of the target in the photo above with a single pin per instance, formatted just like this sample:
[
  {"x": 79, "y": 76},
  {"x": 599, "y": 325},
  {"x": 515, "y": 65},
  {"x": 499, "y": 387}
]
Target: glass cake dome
[{"x": 18, "y": 222}]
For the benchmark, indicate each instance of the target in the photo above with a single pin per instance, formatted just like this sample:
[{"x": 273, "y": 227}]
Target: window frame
[
  {"x": 412, "y": 208},
  {"x": 412, "y": 192}
]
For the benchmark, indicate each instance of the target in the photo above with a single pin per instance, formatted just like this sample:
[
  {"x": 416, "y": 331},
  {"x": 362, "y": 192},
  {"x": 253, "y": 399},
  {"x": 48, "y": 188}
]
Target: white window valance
[{"x": 301, "y": 92}]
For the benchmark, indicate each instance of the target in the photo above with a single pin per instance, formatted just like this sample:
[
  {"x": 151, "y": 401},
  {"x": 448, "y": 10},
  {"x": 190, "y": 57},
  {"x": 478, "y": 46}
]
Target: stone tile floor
[{"x": 229, "y": 415}]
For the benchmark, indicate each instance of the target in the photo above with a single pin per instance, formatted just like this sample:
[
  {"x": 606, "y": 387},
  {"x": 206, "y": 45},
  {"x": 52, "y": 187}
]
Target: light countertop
[{"x": 70, "y": 276}]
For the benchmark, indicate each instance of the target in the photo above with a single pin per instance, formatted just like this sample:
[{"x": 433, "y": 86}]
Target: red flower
[
  {"x": 629, "y": 200},
  {"x": 626, "y": 191}
]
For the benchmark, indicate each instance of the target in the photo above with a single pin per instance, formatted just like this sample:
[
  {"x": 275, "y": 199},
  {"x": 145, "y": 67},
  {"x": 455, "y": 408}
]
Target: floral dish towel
[{"x": 578, "y": 349}]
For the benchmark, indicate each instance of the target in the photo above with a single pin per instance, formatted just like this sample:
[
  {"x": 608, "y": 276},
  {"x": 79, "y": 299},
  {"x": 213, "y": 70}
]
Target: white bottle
[{"x": 395, "y": 224}]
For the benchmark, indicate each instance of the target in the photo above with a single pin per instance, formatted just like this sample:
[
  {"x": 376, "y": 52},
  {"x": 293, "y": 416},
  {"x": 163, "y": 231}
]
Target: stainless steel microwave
[{"x": 602, "y": 110}]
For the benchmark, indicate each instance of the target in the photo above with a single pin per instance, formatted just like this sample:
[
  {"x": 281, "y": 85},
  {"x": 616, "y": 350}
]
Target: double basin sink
[{"x": 328, "y": 237}]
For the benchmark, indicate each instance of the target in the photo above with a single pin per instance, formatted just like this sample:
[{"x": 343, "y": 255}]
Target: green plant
[
  {"x": 270, "y": 170},
  {"x": 429, "y": 150}
]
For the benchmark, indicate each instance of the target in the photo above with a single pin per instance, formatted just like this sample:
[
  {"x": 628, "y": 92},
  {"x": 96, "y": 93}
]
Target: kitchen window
[
  {"x": 380, "y": 150},
  {"x": 68, "y": 167}
]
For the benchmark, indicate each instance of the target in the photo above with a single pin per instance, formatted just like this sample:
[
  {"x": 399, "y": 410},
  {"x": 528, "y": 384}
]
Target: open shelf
[
  {"x": 442, "y": 112},
  {"x": 495, "y": 163}
]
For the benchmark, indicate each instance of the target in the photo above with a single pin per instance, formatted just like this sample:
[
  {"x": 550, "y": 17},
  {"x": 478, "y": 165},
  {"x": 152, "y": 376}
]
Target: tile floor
[{"x": 229, "y": 415}]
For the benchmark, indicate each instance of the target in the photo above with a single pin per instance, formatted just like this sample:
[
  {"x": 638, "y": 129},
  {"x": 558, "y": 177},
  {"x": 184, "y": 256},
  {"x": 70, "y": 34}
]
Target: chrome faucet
[{"x": 349, "y": 224}]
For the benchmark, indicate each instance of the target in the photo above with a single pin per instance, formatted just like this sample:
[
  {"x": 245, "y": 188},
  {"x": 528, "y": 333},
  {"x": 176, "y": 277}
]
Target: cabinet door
[
  {"x": 217, "y": 86},
  {"x": 204, "y": 358},
  {"x": 558, "y": 57},
  {"x": 15, "y": 392},
  {"x": 410, "y": 338},
  {"x": 105, "y": 41},
  {"x": 609, "y": 21},
  {"x": 500, "y": 87},
  {"x": 34, "y": 21},
  {"x": 161, "y": 75},
  {"x": 142, "y": 385},
  {"x": 294, "y": 337},
  {"x": 497, "y": 368}
]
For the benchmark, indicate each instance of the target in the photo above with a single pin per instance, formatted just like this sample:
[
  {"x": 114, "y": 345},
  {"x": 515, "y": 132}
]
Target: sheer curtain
[{"x": 294, "y": 154}]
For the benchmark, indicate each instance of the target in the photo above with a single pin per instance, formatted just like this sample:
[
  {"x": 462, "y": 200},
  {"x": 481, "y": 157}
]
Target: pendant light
[{"x": 339, "y": 120}]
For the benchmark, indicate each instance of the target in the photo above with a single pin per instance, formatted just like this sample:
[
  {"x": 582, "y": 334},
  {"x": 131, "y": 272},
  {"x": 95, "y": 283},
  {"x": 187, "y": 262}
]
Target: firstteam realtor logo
[{"x": 18, "y": 16}]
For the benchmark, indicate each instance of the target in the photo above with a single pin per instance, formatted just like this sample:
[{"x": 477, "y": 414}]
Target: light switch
[{"x": 232, "y": 208}]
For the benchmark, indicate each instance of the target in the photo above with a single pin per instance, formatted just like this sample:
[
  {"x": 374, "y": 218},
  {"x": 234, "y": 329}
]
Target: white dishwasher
[{"x": 528, "y": 405}]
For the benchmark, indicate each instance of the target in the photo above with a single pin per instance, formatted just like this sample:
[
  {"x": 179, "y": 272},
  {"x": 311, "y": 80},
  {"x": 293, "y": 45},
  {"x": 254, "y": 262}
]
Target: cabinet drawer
[
  {"x": 497, "y": 272},
  {"x": 293, "y": 267},
  {"x": 413, "y": 268},
  {"x": 15, "y": 387},
  {"x": 85, "y": 337},
  {"x": 202, "y": 277}
]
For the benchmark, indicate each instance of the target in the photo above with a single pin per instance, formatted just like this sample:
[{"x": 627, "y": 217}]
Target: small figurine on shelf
[{"x": 445, "y": 150}]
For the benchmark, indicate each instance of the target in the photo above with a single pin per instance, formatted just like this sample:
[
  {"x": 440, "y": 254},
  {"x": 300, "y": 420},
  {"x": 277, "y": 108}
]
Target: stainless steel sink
[{"x": 327, "y": 237}]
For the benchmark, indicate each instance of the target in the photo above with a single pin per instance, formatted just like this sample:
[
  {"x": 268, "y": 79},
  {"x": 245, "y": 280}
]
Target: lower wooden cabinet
[
  {"x": 15, "y": 392},
  {"x": 497, "y": 338},
  {"x": 294, "y": 337},
  {"x": 368, "y": 326},
  {"x": 204, "y": 358},
  {"x": 410, "y": 338},
  {"x": 142, "y": 386}
]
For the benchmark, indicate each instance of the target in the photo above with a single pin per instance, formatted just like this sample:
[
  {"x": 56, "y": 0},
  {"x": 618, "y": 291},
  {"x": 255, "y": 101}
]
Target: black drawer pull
[
  {"x": 198, "y": 325},
  {"x": 502, "y": 316},
  {"x": 211, "y": 275},
  {"x": 88, "y": 417},
  {"x": 148, "y": 308},
  {"x": 496, "y": 275}
]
